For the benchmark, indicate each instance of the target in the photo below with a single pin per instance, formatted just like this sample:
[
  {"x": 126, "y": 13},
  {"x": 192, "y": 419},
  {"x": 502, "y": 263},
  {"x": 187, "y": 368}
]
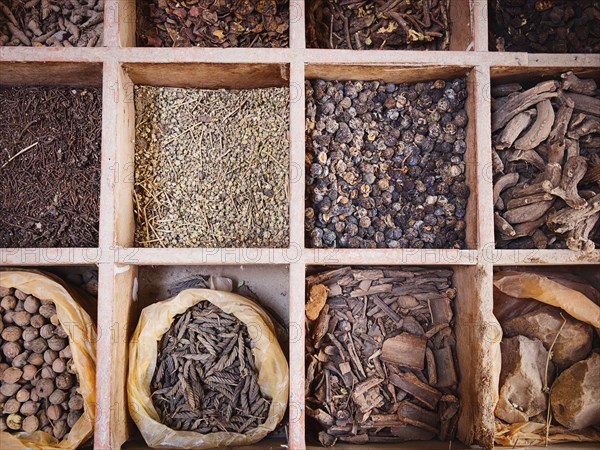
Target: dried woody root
[
  {"x": 391, "y": 24},
  {"x": 381, "y": 355},
  {"x": 52, "y": 23},
  {"x": 206, "y": 379},
  {"x": 547, "y": 164},
  {"x": 206, "y": 23}
]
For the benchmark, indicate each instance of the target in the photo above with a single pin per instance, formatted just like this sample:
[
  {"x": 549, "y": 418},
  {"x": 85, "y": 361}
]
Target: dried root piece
[
  {"x": 523, "y": 201},
  {"x": 502, "y": 90},
  {"x": 591, "y": 124},
  {"x": 573, "y": 83},
  {"x": 578, "y": 239},
  {"x": 569, "y": 221},
  {"x": 574, "y": 171},
  {"x": 523, "y": 101},
  {"x": 540, "y": 130},
  {"x": 505, "y": 228},
  {"x": 503, "y": 183},
  {"x": 528, "y": 213},
  {"x": 585, "y": 103},
  {"x": 529, "y": 156},
  {"x": 514, "y": 128}
]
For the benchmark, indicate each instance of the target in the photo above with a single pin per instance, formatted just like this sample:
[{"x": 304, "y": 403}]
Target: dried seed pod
[
  {"x": 54, "y": 412},
  {"x": 22, "y": 318},
  {"x": 20, "y": 360},
  {"x": 37, "y": 359},
  {"x": 60, "y": 332},
  {"x": 47, "y": 331},
  {"x": 58, "y": 397},
  {"x": 45, "y": 387},
  {"x": 14, "y": 421},
  {"x": 47, "y": 310},
  {"x": 20, "y": 295},
  {"x": 65, "y": 353},
  {"x": 73, "y": 417},
  {"x": 29, "y": 371},
  {"x": 76, "y": 402},
  {"x": 47, "y": 372},
  {"x": 60, "y": 429},
  {"x": 59, "y": 365},
  {"x": 54, "y": 320},
  {"x": 57, "y": 344},
  {"x": 7, "y": 318},
  {"x": 30, "y": 424},
  {"x": 12, "y": 334},
  {"x": 37, "y": 321},
  {"x": 31, "y": 305},
  {"x": 43, "y": 419},
  {"x": 50, "y": 356},
  {"x": 30, "y": 333},
  {"x": 12, "y": 375},
  {"x": 38, "y": 345},
  {"x": 8, "y": 302},
  {"x": 22, "y": 395},
  {"x": 11, "y": 350},
  {"x": 11, "y": 406},
  {"x": 65, "y": 381},
  {"x": 9, "y": 389},
  {"x": 48, "y": 429}
]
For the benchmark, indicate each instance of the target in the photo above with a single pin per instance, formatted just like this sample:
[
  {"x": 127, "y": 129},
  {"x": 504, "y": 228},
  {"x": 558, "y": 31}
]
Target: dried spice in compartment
[
  {"x": 50, "y": 166},
  {"x": 212, "y": 167},
  {"x": 39, "y": 23},
  {"x": 545, "y": 26},
  {"x": 204, "y": 23},
  {"x": 381, "y": 25},
  {"x": 546, "y": 164},
  {"x": 385, "y": 164},
  {"x": 205, "y": 379},
  {"x": 39, "y": 386},
  {"x": 381, "y": 360}
]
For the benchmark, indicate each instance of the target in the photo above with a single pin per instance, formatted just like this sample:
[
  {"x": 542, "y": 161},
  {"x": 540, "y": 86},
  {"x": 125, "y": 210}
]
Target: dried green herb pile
[{"x": 212, "y": 167}]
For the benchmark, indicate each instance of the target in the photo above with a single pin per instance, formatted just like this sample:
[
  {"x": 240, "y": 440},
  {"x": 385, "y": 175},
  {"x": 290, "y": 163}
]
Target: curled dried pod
[
  {"x": 8, "y": 302},
  {"x": 9, "y": 389},
  {"x": 30, "y": 424},
  {"x": 29, "y": 371},
  {"x": 11, "y": 406},
  {"x": 57, "y": 344},
  {"x": 31, "y": 305},
  {"x": 14, "y": 421},
  {"x": 11, "y": 350},
  {"x": 58, "y": 397},
  {"x": 47, "y": 331},
  {"x": 38, "y": 345},
  {"x": 47, "y": 310},
  {"x": 12, "y": 334},
  {"x": 37, "y": 359},
  {"x": 50, "y": 356},
  {"x": 37, "y": 321},
  {"x": 65, "y": 381},
  {"x": 22, "y": 318},
  {"x": 12, "y": 375},
  {"x": 54, "y": 412},
  {"x": 76, "y": 402},
  {"x": 73, "y": 417},
  {"x": 44, "y": 387},
  {"x": 22, "y": 395},
  {"x": 30, "y": 333}
]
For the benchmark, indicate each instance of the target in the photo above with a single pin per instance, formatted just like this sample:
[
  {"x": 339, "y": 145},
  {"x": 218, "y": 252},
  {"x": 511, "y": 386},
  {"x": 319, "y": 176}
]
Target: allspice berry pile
[
  {"x": 38, "y": 381},
  {"x": 385, "y": 164}
]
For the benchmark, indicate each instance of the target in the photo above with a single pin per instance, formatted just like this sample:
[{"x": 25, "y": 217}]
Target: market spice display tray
[{"x": 126, "y": 275}]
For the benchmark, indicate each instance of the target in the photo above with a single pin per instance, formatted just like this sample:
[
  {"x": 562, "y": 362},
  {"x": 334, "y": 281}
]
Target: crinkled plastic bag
[
  {"x": 155, "y": 320},
  {"x": 82, "y": 337},
  {"x": 523, "y": 286}
]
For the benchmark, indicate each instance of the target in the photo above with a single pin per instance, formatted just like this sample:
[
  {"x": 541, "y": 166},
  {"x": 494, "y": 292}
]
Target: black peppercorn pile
[{"x": 385, "y": 164}]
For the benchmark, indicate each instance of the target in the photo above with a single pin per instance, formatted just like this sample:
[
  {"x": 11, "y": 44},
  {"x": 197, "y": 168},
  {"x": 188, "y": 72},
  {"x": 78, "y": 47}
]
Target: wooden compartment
[
  {"x": 139, "y": 286},
  {"x": 403, "y": 74},
  {"x": 119, "y": 65}
]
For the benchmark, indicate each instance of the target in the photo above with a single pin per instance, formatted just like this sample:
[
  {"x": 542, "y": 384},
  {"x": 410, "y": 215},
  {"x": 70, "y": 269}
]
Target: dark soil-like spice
[
  {"x": 49, "y": 166},
  {"x": 379, "y": 25},
  {"x": 545, "y": 26},
  {"x": 206, "y": 23}
]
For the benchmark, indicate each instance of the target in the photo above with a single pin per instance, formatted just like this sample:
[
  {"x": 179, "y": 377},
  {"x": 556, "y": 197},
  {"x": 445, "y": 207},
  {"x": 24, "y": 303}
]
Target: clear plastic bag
[
  {"x": 155, "y": 320},
  {"x": 82, "y": 337}
]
